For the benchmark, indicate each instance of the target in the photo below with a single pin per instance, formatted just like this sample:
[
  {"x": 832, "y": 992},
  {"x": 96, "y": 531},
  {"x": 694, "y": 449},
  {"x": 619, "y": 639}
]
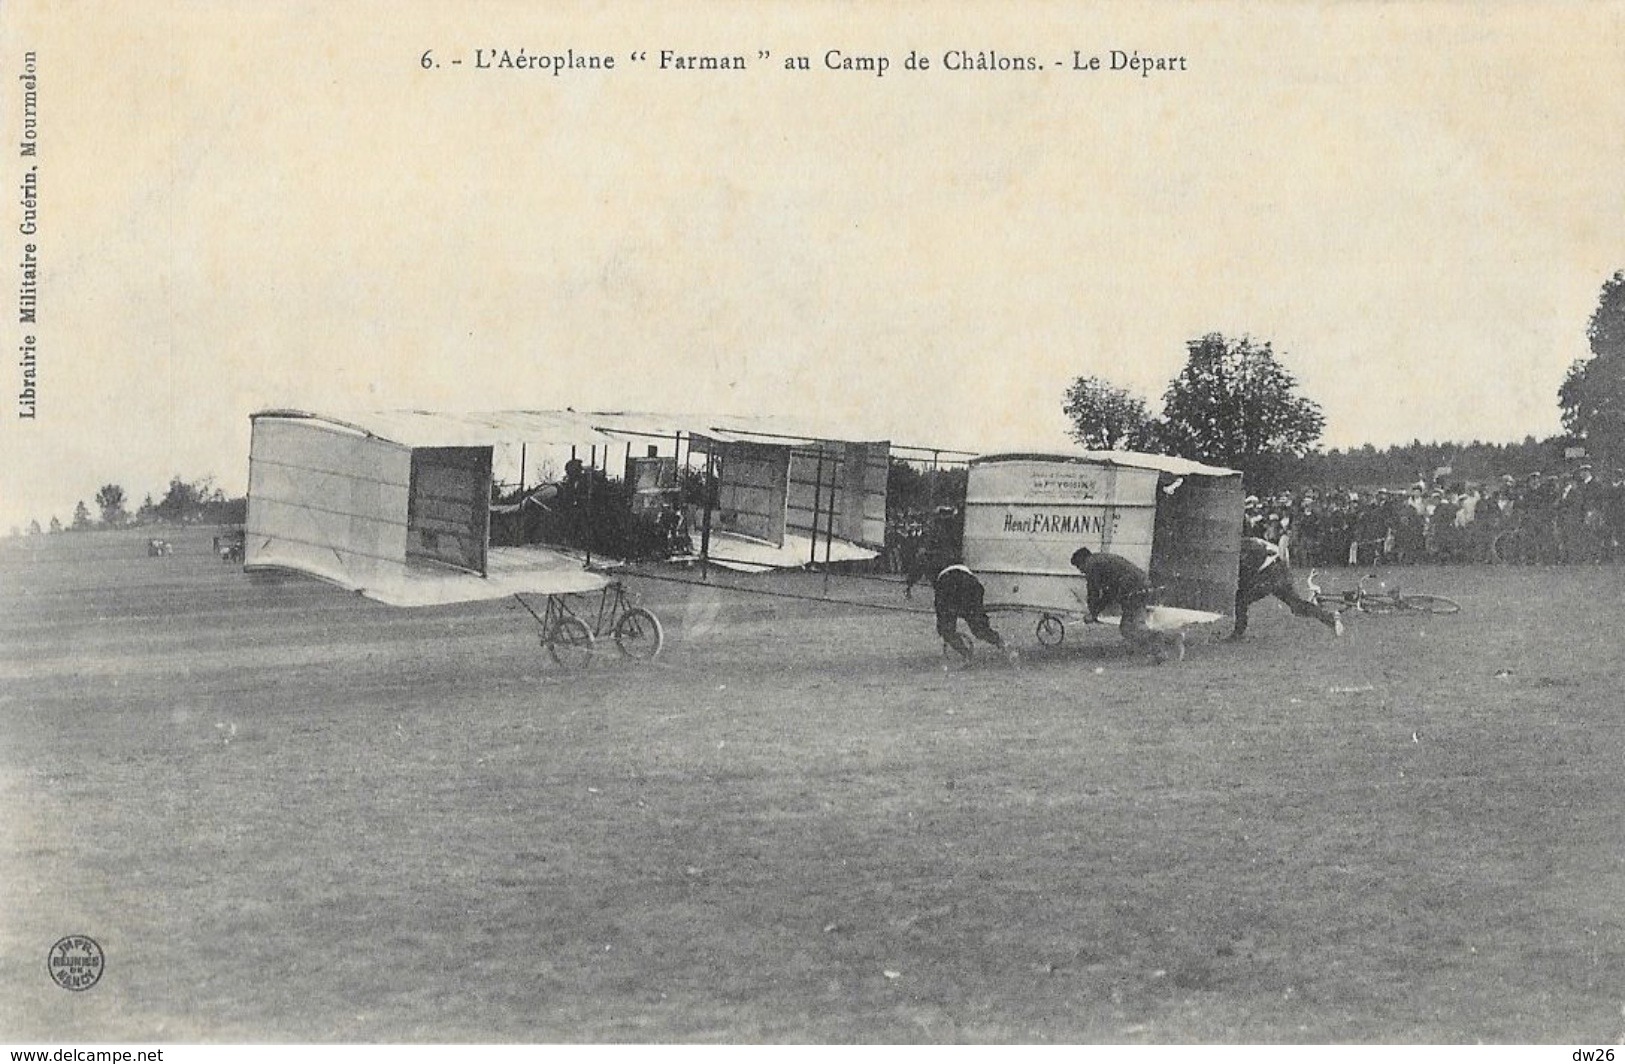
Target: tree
[
  {"x": 179, "y": 502},
  {"x": 110, "y": 501},
  {"x": 81, "y": 516},
  {"x": 1234, "y": 405},
  {"x": 913, "y": 488},
  {"x": 56, "y": 526},
  {"x": 1592, "y": 395},
  {"x": 187, "y": 502},
  {"x": 1108, "y": 418}
]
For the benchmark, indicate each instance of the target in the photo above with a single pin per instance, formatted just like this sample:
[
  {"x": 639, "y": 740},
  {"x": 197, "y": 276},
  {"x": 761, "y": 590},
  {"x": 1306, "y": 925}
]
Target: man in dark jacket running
[
  {"x": 1264, "y": 573},
  {"x": 959, "y": 595},
  {"x": 1116, "y": 581}
]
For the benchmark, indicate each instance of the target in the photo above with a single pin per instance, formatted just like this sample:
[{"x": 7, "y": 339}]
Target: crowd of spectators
[{"x": 1545, "y": 518}]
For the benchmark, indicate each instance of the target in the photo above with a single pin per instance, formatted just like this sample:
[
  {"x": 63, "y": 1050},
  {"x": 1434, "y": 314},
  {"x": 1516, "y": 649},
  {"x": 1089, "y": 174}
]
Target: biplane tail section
[{"x": 1180, "y": 521}]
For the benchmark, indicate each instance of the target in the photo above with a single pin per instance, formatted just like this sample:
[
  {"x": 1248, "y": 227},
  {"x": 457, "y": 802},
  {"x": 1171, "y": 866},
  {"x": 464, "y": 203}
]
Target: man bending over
[
  {"x": 960, "y": 596},
  {"x": 1116, "y": 581}
]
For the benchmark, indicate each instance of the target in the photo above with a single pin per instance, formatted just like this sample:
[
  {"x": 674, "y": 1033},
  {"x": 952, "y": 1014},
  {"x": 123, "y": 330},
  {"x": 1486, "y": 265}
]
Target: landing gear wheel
[
  {"x": 570, "y": 643},
  {"x": 638, "y": 634}
]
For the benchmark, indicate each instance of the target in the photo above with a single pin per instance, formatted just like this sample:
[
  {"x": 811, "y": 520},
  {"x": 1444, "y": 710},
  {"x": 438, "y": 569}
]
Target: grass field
[{"x": 288, "y": 813}]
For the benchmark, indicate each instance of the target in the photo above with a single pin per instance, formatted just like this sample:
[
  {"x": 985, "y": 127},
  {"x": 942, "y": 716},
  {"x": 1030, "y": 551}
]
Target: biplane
[
  {"x": 408, "y": 508},
  {"x": 402, "y": 507}
]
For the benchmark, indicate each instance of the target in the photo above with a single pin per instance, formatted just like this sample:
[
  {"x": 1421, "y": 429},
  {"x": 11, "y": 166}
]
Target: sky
[{"x": 245, "y": 206}]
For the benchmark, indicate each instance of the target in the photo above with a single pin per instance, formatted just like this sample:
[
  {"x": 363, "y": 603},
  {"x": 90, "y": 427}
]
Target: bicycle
[
  {"x": 1383, "y": 601},
  {"x": 570, "y": 641}
]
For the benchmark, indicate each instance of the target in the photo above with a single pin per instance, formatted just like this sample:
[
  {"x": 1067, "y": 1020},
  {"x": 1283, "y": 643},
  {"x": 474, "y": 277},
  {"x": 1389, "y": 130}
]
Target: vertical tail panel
[
  {"x": 450, "y": 506},
  {"x": 1196, "y": 545}
]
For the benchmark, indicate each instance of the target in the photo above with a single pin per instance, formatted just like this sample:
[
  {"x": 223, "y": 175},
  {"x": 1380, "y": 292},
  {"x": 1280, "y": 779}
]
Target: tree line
[
  {"x": 1234, "y": 404},
  {"x": 184, "y": 503}
]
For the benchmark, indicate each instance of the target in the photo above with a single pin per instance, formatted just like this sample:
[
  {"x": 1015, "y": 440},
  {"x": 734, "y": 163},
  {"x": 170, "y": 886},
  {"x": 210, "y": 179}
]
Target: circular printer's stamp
[{"x": 76, "y": 962}]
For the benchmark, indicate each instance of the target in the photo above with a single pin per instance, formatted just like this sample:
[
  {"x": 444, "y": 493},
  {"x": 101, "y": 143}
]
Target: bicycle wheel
[
  {"x": 570, "y": 643},
  {"x": 638, "y": 634},
  {"x": 1051, "y": 630},
  {"x": 1382, "y": 604},
  {"x": 1428, "y": 604},
  {"x": 1507, "y": 548}
]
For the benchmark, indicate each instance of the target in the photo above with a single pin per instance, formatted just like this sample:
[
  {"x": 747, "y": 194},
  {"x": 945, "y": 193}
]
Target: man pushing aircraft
[{"x": 1115, "y": 581}]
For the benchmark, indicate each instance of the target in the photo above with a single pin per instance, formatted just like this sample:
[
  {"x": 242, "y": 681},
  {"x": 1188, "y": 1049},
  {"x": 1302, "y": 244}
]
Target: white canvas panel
[
  {"x": 751, "y": 492},
  {"x": 310, "y": 487},
  {"x": 1034, "y": 482},
  {"x": 346, "y": 548},
  {"x": 304, "y": 443},
  {"x": 1024, "y": 518},
  {"x": 528, "y": 570},
  {"x": 745, "y": 555},
  {"x": 326, "y": 501},
  {"x": 851, "y": 480}
]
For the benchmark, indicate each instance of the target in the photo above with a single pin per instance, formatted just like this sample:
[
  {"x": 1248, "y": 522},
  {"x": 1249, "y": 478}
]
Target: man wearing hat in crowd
[
  {"x": 1539, "y": 507},
  {"x": 1370, "y": 531},
  {"x": 1581, "y": 516},
  {"x": 1252, "y": 516}
]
